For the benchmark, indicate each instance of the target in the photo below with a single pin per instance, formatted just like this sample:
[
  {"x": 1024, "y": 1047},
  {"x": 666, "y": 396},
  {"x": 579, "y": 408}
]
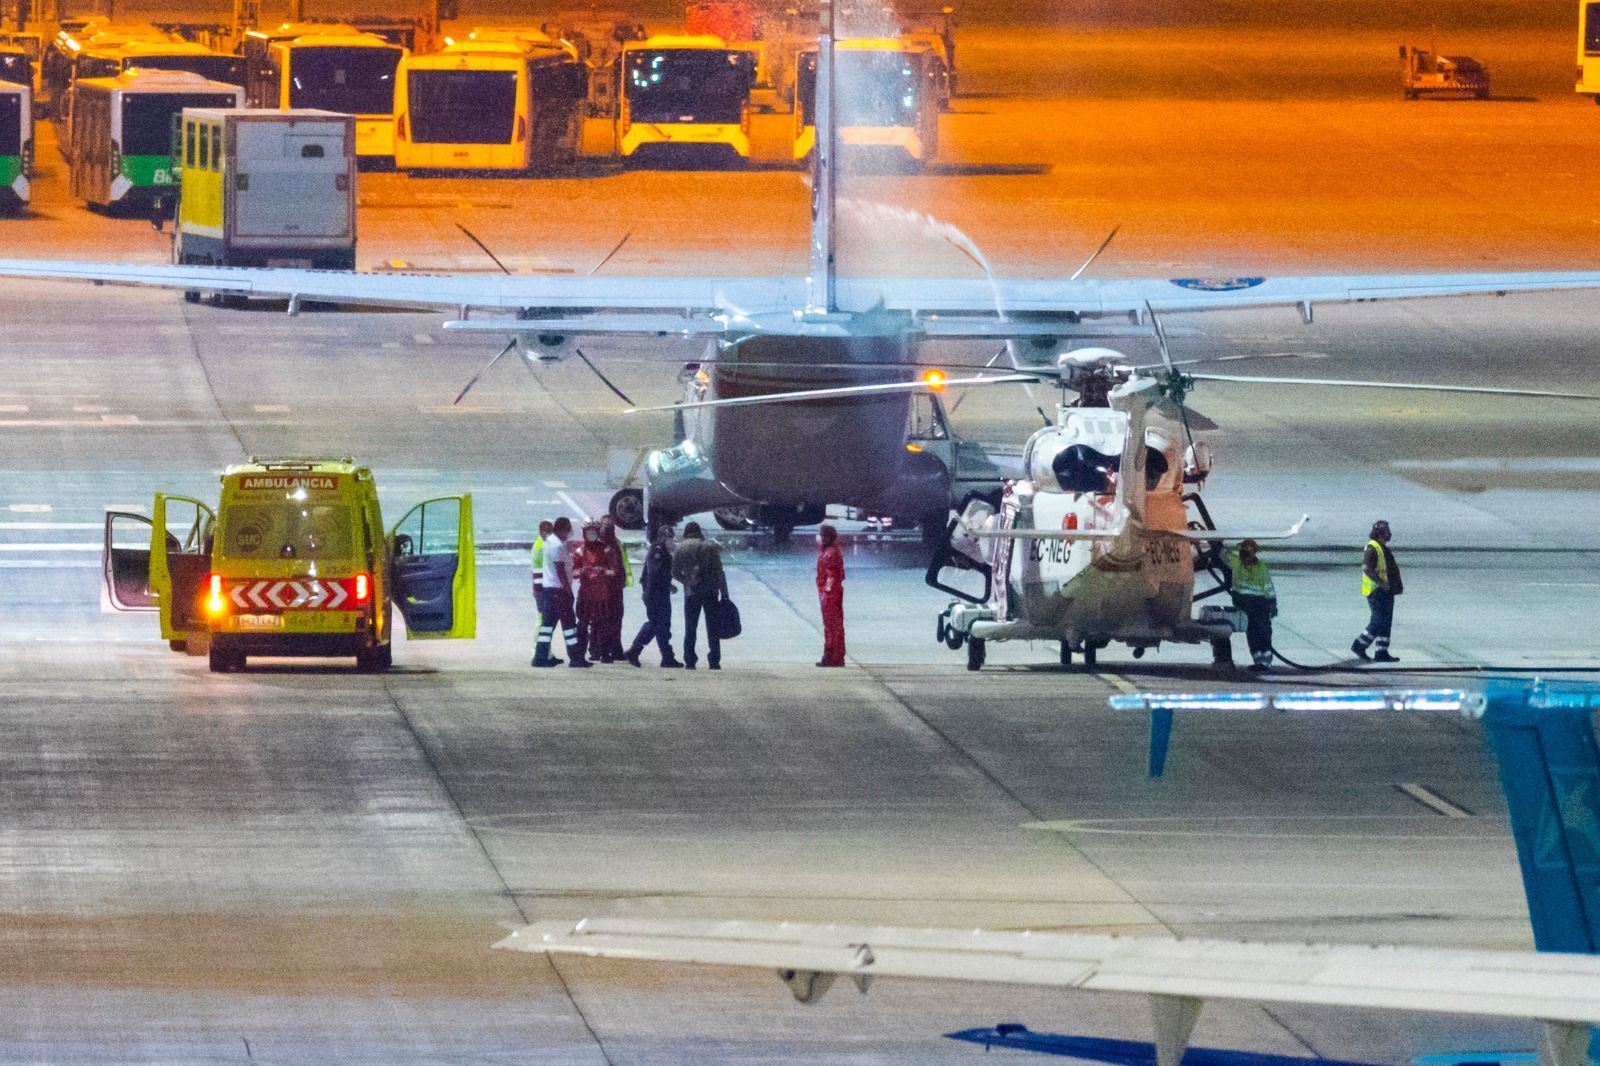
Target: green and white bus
[
  {"x": 121, "y": 133},
  {"x": 16, "y": 145}
]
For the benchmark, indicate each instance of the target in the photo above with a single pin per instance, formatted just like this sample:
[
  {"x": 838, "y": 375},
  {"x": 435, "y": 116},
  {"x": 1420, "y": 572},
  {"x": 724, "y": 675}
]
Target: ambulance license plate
[{"x": 261, "y": 621}]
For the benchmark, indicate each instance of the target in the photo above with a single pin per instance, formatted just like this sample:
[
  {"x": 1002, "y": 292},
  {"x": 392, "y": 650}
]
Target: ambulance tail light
[
  {"x": 363, "y": 588},
  {"x": 215, "y": 604}
]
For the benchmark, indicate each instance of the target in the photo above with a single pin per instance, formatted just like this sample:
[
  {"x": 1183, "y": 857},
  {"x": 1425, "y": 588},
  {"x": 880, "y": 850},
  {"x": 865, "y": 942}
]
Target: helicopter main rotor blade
[
  {"x": 1183, "y": 413},
  {"x": 468, "y": 386},
  {"x": 847, "y": 390},
  {"x": 1405, "y": 385}
]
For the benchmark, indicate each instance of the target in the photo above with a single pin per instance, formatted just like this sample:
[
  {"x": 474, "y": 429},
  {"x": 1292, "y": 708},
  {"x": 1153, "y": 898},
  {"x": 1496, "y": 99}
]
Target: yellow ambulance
[{"x": 294, "y": 561}]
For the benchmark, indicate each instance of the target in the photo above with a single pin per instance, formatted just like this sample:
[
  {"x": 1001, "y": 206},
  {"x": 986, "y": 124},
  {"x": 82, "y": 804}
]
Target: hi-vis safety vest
[
  {"x": 1251, "y": 580},
  {"x": 538, "y": 561},
  {"x": 1367, "y": 584}
]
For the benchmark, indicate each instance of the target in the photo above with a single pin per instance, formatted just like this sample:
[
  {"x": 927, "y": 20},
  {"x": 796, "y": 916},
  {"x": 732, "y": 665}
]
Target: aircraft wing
[
  {"x": 1546, "y": 986},
  {"x": 1087, "y": 297},
  {"x": 953, "y": 307}
]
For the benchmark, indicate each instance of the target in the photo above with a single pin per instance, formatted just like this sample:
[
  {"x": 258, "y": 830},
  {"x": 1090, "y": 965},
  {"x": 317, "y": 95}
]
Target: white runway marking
[
  {"x": 1433, "y": 801},
  {"x": 60, "y": 546},
  {"x": 555, "y": 484},
  {"x": 272, "y": 408},
  {"x": 51, "y": 525},
  {"x": 1254, "y": 827},
  {"x": 575, "y": 505},
  {"x": 30, "y": 508}
]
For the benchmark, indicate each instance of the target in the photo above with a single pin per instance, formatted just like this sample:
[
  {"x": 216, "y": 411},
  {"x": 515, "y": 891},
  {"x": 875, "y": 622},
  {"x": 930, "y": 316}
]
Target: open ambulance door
[
  {"x": 434, "y": 569},
  {"x": 180, "y": 559},
  {"x": 125, "y": 562}
]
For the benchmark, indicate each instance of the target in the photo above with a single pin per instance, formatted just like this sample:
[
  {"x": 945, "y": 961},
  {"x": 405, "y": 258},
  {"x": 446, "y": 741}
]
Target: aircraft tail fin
[{"x": 1543, "y": 736}]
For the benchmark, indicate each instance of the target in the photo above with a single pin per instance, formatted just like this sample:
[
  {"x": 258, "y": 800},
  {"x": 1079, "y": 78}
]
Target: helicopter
[{"x": 1104, "y": 536}]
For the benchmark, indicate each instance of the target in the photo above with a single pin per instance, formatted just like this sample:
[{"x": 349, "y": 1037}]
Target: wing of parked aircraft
[
  {"x": 973, "y": 307},
  {"x": 1560, "y": 990}
]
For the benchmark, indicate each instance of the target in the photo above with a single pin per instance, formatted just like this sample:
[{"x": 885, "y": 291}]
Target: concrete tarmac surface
[{"x": 304, "y": 864}]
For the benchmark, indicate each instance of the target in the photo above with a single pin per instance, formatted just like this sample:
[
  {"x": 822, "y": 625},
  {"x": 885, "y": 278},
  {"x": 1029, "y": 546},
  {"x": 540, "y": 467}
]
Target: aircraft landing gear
[
  {"x": 1066, "y": 656},
  {"x": 975, "y": 653},
  {"x": 627, "y": 508},
  {"x": 1090, "y": 651}
]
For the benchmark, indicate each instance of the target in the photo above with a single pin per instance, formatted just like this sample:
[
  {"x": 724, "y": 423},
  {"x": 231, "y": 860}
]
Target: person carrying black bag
[{"x": 698, "y": 568}]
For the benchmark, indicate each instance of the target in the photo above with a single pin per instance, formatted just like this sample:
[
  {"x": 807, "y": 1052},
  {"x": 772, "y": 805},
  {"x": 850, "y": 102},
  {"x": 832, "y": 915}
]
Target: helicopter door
[
  {"x": 180, "y": 559},
  {"x": 434, "y": 569},
  {"x": 1000, "y": 562},
  {"x": 125, "y": 562}
]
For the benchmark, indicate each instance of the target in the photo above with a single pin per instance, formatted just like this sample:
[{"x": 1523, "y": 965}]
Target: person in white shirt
[{"x": 557, "y": 606}]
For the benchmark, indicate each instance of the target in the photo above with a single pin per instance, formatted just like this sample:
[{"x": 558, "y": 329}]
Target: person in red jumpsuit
[
  {"x": 830, "y": 592},
  {"x": 618, "y": 580},
  {"x": 595, "y": 563}
]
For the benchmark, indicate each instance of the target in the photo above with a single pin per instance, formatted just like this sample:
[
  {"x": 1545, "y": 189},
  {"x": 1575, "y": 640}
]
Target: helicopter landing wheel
[
  {"x": 941, "y": 630},
  {"x": 975, "y": 653},
  {"x": 1066, "y": 656}
]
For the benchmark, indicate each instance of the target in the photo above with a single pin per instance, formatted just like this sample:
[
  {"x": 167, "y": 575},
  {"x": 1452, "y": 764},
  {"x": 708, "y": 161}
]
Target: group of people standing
[{"x": 579, "y": 586}]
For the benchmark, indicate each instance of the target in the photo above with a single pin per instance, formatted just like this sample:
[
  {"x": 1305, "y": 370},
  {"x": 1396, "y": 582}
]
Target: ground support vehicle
[
  {"x": 121, "y": 133},
  {"x": 266, "y": 188},
  {"x": 1424, "y": 72},
  {"x": 16, "y": 145},
  {"x": 684, "y": 100},
  {"x": 499, "y": 100},
  {"x": 328, "y": 67},
  {"x": 294, "y": 561},
  {"x": 887, "y": 103}
]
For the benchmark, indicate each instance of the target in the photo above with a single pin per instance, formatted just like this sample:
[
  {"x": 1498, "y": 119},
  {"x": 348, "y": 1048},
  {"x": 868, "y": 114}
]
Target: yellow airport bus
[
  {"x": 16, "y": 145},
  {"x": 886, "y": 101},
  {"x": 684, "y": 100},
  {"x": 328, "y": 67},
  {"x": 121, "y": 133},
  {"x": 499, "y": 100},
  {"x": 1589, "y": 48},
  {"x": 88, "y": 51}
]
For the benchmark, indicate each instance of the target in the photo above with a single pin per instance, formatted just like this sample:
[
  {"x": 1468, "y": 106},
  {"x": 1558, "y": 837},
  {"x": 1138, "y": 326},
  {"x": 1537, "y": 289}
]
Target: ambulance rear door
[
  {"x": 180, "y": 559},
  {"x": 125, "y": 562},
  {"x": 433, "y": 569}
]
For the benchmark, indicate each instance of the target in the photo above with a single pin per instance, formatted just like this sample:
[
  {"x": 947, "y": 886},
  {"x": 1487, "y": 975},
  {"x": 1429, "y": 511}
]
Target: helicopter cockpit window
[
  {"x": 1079, "y": 468},
  {"x": 1155, "y": 466}
]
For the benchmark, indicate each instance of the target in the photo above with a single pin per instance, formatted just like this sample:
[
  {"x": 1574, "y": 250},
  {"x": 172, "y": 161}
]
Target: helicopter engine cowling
[{"x": 545, "y": 347}]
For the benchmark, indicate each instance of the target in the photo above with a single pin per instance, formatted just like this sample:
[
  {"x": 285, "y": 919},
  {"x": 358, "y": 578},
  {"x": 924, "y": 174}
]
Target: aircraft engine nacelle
[{"x": 545, "y": 347}]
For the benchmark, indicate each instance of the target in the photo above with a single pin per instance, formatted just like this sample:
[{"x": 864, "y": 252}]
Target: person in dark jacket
[
  {"x": 698, "y": 568},
  {"x": 830, "y": 595},
  {"x": 655, "y": 585}
]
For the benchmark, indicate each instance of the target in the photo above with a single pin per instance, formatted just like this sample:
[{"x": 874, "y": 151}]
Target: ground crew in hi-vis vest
[
  {"x": 1380, "y": 584},
  {"x": 1254, "y": 594},
  {"x": 545, "y": 529}
]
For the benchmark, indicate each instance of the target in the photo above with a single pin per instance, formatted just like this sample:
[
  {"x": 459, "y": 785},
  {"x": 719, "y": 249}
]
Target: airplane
[
  {"x": 1102, "y": 538},
  {"x": 824, "y": 332},
  {"x": 1544, "y": 740}
]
